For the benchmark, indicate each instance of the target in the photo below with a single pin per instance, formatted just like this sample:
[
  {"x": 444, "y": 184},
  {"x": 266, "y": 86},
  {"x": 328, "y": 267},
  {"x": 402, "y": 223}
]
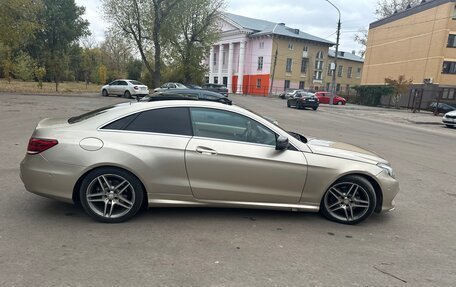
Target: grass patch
[{"x": 48, "y": 88}]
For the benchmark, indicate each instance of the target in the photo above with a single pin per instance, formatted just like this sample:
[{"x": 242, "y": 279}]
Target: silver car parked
[
  {"x": 200, "y": 153},
  {"x": 125, "y": 88}
]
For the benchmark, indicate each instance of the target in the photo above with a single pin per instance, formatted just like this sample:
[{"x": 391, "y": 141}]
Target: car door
[
  {"x": 233, "y": 158},
  {"x": 324, "y": 99},
  {"x": 112, "y": 88},
  {"x": 154, "y": 142}
]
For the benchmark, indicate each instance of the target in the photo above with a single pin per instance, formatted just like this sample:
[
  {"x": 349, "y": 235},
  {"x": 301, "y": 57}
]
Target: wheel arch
[
  {"x": 375, "y": 185},
  {"x": 77, "y": 186}
]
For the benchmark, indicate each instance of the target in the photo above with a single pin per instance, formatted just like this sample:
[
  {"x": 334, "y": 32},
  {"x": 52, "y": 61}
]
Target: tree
[
  {"x": 191, "y": 33},
  {"x": 40, "y": 72},
  {"x": 18, "y": 23},
  {"x": 134, "y": 69},
  {"x": 24, "y": 67},
  {"x": 142, "y": 21},
  {"x": 102, "y": 74},
  {"x": 361, "y": 38},
  {"x": 386, "y": 8},
  {"x": 400, "y": 87},
  {"x": 62, "y": 25}
]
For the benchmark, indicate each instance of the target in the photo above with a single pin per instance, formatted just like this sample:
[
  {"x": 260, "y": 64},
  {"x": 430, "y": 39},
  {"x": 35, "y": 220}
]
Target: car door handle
[{"x": 205, "y": 150}]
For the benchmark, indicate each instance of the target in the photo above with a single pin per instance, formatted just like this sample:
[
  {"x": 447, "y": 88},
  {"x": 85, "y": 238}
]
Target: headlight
[{"x": 388, "y": 169}]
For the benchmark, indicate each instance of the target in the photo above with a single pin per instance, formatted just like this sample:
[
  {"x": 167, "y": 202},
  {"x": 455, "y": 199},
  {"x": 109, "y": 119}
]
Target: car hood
[
  {"x": 452, "y": 113},
  {"x": 343, "y": 150}
]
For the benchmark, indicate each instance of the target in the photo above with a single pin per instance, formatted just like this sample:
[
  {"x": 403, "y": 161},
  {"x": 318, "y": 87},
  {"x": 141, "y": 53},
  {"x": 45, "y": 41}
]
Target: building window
[
  {"x": 305, "y": 49},
  {"x": 448, "y": 94},
  {"x": 318, "y": 75},
  {"x": 449, "y": 67},
  {"x": 349, "y": 72},
  {"x": 303, "y": 66},
  {"x": 358, "y": 73},
  {"x": 289, "y": 64},
  {"x": 290, "y": 46},
  {"x": 260, "y": 63},
  {"x": 301, "y": 85},
  {"x": 320, "y": 55},
  {"x": 330, "y": 71},
  {"x": 340, "y": 71},
  {"x": 215, "y": 80},
  {"x": 215, "y": 59},
  {"x": 338, "y": 88},
  {"x": 261, "y": 45},
  {"x": 451, "y": 41},
  {"x": 258, "y": 83},
  {"x": 318, "y": 65},
  {"x": 287, "y": 84}
]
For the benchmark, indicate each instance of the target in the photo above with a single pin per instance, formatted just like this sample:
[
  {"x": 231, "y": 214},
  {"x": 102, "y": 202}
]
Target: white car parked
[
  {"x": 168, "y": 86},
  {"x": 449, "y": 119},
  {"x": 125, "y": 88}
]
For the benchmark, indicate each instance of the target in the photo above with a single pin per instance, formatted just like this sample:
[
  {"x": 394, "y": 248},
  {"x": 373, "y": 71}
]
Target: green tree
[
  {"x": 62, "y": 25},
  {"x": 18, "y": 23},
  {"x": 40, "y": 72},
  {"x": 24, "y": 67},
  {"x": 191, "y": 32},
  {"x": 142, "y": 21},
  {"x": 102, "y": 74},
  {"x": 134, "y": 69}
]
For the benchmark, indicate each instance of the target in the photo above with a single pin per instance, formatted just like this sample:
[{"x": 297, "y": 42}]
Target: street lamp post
[{"x": 333, "y": 82}]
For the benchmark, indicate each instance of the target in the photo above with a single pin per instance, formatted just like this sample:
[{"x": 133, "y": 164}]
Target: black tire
[
  {"x": 104, "y": 93},
  {"x": 351, "y": 210},
  {"x": 298, "y": 105},
  {"x": 314, "y": 109},
  {"x": 288, "y": 104},
  {"x": 127, "y": 95},
  {"x": 449, "y": 126},
  {"x": 104, "y": 198}
]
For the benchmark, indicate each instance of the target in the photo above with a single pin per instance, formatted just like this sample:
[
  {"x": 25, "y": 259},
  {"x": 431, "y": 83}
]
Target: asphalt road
[{"x": 47, "y": 243}]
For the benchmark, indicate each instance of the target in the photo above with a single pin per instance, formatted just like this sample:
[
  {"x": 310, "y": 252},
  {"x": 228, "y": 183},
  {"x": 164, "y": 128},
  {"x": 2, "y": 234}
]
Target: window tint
[
  {"x": 167, "y": 121},
  {"x": 136, "y": 82},
  {"x": 120, "y": 124},
  {"x": 122, "y": 83},
  {"x": 212, "y": 123}
]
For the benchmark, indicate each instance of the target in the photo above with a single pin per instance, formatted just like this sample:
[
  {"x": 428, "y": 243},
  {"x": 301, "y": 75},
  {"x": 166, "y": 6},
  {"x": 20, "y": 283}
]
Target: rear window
[
  {"x": 136, "y": 83},
  {"x": 94, "y": 113},
  {"x": 166, "y": 120}
]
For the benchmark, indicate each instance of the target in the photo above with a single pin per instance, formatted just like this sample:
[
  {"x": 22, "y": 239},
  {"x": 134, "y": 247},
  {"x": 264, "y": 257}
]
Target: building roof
[
  {"x": 346, "y": 56},
  {"x": 263, "y": 27},
  {"x": 423, "y": 6}
]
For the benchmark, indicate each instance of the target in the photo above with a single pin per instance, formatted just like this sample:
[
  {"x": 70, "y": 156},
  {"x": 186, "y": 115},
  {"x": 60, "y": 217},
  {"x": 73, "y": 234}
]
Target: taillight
[
  {"x": 136, "y": 87},
  {"x": 36, "y": 146}
]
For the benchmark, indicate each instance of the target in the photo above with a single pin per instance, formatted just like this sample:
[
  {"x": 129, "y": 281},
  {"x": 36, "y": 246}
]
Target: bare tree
[
  {"x": 387, "y": 8},
  {"x": 361, "y": 38}
]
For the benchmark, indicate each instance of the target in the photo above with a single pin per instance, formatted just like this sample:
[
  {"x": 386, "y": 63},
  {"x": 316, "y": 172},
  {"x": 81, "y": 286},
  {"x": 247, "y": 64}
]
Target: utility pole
[
  {"x": 333, "y": 82},
  {"x": 273, "y": 71}
]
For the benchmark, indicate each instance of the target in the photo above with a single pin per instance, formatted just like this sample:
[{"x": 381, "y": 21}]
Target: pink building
[{"x": 244, "y": 59}]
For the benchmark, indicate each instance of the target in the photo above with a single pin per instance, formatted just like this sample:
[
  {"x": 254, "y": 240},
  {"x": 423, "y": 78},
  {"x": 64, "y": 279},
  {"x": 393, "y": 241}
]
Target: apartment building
[
  {"x": 255, "y": 56},
  {"x": 348, "y": 74},
  {"x": 419, "y": 43}
]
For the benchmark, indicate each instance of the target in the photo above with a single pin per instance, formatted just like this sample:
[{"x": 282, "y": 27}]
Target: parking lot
[{"x": 48, "y": 243}]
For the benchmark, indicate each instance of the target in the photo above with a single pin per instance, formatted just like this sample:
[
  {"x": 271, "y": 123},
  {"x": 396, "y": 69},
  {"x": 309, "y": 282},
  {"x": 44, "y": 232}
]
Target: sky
[{"x": 316, "y": 17}]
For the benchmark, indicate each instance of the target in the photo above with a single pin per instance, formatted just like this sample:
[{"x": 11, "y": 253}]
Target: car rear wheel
[
  {"x": 350, "y": 200},
  {"x": 104, "y": 93},
  {"x": 298, "y": 105},
  {"x": 111, "y": 195},
  {"x": 288, "y": 104},
  {"x": 339, "y": 103},
  {"x": 127, "y": 95}
]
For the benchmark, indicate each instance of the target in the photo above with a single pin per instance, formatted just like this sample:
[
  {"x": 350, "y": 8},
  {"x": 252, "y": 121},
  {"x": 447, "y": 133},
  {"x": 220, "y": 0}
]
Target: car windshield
[
  {"x": 136, "y": 83},
  {"x": 94, "y": 113}
]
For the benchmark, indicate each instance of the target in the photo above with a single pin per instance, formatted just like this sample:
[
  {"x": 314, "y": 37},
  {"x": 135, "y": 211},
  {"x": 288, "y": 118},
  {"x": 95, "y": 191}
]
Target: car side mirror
[{"x": 282, "y": 143}]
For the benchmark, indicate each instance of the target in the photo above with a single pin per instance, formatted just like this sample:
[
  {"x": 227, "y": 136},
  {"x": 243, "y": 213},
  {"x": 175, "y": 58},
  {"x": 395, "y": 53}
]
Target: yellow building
[
  {"x": 419, "y": 43},
  {"x": 348, "y": 74}
]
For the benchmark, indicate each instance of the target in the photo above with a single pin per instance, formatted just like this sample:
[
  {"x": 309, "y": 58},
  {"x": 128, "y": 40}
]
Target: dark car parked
[
  {"x": 443, "y": 108},
  {"x": 192, "y": 86},
  {"x": 303, "y": 100},
  {"x": 221, "y": 89},
  {"x": 188, "y": 94}
]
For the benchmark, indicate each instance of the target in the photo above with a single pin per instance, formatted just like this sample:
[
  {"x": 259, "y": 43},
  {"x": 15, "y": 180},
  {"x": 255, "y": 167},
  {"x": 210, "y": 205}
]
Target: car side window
[
  {"x": 115, "y": 83},
  {"x": 164, "y": 120},
  {"x": 219, "y": 124},
  {"x": 122, "y": 83}
]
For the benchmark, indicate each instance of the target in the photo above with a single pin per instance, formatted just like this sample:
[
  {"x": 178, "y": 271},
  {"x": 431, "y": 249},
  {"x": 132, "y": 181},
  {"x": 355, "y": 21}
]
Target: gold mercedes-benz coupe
[{"x": 200, "y": 153}]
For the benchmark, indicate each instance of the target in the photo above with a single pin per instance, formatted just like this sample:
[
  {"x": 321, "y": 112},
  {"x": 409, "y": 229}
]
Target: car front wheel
[
  {"x": 104, "y": 93},
  {"x": 127, "y": 95},
  {"x": 111, "y": 195},
  {"x": 350, "y": 200}
]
